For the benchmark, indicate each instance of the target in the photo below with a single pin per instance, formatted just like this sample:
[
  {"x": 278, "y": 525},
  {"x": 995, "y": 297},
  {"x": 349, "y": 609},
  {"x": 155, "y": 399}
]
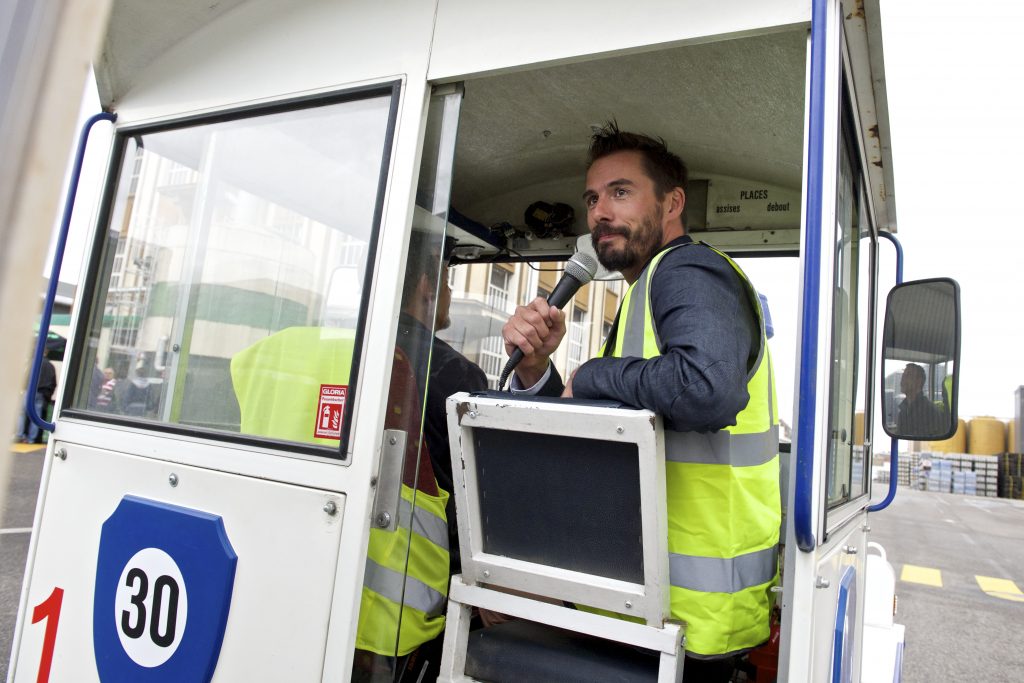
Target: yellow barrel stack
[
  {"x": 986, "y": 436},
  {"x": 954, "y": 444}
]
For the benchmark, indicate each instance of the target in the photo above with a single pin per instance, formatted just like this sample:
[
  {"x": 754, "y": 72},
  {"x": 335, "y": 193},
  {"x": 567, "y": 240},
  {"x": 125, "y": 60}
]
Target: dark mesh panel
[{"x": 561, "y": 501}]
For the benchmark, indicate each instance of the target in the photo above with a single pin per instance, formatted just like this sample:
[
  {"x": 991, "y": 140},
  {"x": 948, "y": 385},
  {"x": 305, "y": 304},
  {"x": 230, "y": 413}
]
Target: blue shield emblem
[{"x": 164, "y": 578}]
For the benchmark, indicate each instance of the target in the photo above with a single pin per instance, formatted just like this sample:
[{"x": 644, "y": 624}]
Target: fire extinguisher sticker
[{"x": 330, "y": 410}]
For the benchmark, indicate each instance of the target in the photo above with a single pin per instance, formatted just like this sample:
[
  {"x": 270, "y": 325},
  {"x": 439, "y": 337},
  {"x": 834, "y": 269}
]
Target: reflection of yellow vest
[
  {"x": 724, "y": 507},
  {"x": 277, "y": 381}
]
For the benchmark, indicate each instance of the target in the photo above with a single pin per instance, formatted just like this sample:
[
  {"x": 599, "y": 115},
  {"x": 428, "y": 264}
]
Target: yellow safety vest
[
  {"x": 277, "y": 382},
  {"x": 425, "y": 586},
  {"x": 724, "y": 508}
]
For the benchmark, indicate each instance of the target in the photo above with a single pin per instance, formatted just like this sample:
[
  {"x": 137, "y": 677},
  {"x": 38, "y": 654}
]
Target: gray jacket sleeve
[{"x": 709, "y": 336}]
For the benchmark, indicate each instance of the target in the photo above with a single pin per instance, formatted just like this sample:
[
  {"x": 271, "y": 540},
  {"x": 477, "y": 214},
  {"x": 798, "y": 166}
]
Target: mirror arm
[
  {"x": 894, "y": 448},
  {"x": 899, "y": 254},
  {"x": 893, "y": 475}
]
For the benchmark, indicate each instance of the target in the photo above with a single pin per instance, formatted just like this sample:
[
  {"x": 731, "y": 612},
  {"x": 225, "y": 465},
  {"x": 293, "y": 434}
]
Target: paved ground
[
  {"x": 25, "y": 465},
  {"x": 956, "y": 631},
  {"x": 960, "y": 560}
]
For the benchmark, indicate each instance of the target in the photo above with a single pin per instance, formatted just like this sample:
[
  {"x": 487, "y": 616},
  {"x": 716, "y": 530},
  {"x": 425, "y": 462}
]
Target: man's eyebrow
[{"x": 618, "y": 182}]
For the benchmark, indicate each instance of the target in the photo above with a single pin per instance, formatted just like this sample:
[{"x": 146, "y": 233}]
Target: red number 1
[{"x": 48, "y": 609}]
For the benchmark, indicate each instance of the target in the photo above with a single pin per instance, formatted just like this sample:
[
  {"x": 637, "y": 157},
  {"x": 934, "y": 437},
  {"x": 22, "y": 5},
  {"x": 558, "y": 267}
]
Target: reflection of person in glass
[{"x": 917, "y": 414}]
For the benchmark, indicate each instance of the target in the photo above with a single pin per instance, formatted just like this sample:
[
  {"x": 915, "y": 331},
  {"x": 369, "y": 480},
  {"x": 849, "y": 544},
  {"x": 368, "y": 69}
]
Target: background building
[{"x": 484, "y": 295}]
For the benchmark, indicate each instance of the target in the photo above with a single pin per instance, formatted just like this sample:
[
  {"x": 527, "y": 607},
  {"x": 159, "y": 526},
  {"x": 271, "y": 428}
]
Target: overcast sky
[{"x": 954, "y": 80}]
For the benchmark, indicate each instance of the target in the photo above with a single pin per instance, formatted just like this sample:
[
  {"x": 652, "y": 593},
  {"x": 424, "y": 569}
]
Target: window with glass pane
[
  {"x": 578, "y": 333},
  {"x": 232, "y": 279},
  {"x": 492, "y": 359},
  {"x": 497, "y": 289},
  {"x": 863, "y": 387}
]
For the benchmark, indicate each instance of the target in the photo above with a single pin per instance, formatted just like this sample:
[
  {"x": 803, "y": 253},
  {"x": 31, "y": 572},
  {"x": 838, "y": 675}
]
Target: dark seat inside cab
[{"x": 519, "y": 651}]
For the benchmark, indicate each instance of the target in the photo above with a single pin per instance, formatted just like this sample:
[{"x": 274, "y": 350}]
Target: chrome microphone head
[{"x": 581, "y": 267}]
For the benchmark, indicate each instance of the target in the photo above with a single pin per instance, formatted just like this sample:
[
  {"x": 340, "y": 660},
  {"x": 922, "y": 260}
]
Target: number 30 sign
[{"x": 164, "y": 579}]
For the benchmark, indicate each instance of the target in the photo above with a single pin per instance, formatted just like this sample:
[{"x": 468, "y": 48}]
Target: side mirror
[{"x": 921, "y": 360}]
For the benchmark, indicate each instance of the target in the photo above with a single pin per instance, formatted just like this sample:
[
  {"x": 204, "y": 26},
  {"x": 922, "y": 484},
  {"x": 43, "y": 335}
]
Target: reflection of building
[
  {"x": 484, "y": 295},
  {"x": 201, "y": 270}
]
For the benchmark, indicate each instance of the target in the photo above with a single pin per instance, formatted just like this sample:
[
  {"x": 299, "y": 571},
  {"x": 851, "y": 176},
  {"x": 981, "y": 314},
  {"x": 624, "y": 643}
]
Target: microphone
[{"x": 579, "y": 270}]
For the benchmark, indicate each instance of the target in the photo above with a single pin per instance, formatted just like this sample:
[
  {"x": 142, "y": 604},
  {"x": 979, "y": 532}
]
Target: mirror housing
[{"x": 921, "y": 360}]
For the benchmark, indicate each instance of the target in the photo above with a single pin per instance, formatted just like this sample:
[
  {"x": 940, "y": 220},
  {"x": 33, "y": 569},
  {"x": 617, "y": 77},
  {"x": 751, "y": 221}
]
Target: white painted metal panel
[
  {"x": 264, "y": 462},
  {"x": 478, "y": 37},
  {"x": 802, "y": 649},
  {"x": 842, "y": 551},
  {"x": 286, "y": 543},
  {"x": 266, "y": 49}
]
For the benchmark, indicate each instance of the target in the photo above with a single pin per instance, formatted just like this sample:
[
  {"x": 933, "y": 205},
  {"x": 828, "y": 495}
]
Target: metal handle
[
  {"x": 58, "y": 257},
  {"x": 389, "y": 480}
]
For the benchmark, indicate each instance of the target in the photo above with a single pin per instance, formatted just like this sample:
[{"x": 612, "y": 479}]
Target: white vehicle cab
[{"x": 254, "y": 503}]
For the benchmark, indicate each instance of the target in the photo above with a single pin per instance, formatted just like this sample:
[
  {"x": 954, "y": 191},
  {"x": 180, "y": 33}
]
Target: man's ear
[
  {"x": 424, "y": 288},
  {"x": 675, "y": 202}
]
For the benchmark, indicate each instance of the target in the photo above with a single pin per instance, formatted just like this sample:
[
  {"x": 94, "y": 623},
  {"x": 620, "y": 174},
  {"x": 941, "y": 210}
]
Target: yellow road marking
[
  {"x": 1003, "y": 589},
  {"x": 26, "y": 447},
  {"x": 924, "y": 575}
]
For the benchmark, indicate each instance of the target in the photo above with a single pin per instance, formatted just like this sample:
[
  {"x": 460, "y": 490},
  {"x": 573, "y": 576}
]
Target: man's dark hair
[
  {"x": 915, "y": 370},
  {"x": 666, "y": 169},
  {"x": 424, "y": 251}
]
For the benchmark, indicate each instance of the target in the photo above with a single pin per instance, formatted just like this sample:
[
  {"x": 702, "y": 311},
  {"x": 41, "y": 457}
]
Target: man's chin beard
[
  {"x": 627, "y": 258},
  {"x": 616, "y": 260}
]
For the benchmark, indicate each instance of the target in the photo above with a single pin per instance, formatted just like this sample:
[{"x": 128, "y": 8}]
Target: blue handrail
[
  {"x": 804, "y": 466},
  {"x": 893, "y": 447},
  {"x": 58, "y": 257}
]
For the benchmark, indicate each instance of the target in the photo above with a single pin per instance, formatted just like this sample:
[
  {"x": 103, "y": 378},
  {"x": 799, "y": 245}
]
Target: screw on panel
[
  {"x": 331, "y": 508},
  {"x": 619, "y": 430},
  {"x": 629, "y": 604},
  {"x": 61, "y": 453},
  {"x": 472, "y": 414},
  {"x": 173, "y": 479},
  {"x": 392, "y": 440},
  {"x": 487, "y": 574},
  {"x": 822, "y": 582},
  {"x": 383, "y": 520}
]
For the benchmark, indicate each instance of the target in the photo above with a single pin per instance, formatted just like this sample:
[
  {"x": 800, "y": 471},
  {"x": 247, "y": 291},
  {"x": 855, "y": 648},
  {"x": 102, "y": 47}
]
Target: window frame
[
  {"x": 841, "y": 512},
  {"x": 94, "y": 284}
]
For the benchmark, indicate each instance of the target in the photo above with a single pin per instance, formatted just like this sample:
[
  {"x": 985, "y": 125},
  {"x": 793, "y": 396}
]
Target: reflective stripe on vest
[
  {"x": 430, "y": 526},
  {"x": 722, "y": 492},
  {"x": 389, "y": 584},
  {"x": 723, "y": 574},
  {"x": 722, "y": 447}
]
